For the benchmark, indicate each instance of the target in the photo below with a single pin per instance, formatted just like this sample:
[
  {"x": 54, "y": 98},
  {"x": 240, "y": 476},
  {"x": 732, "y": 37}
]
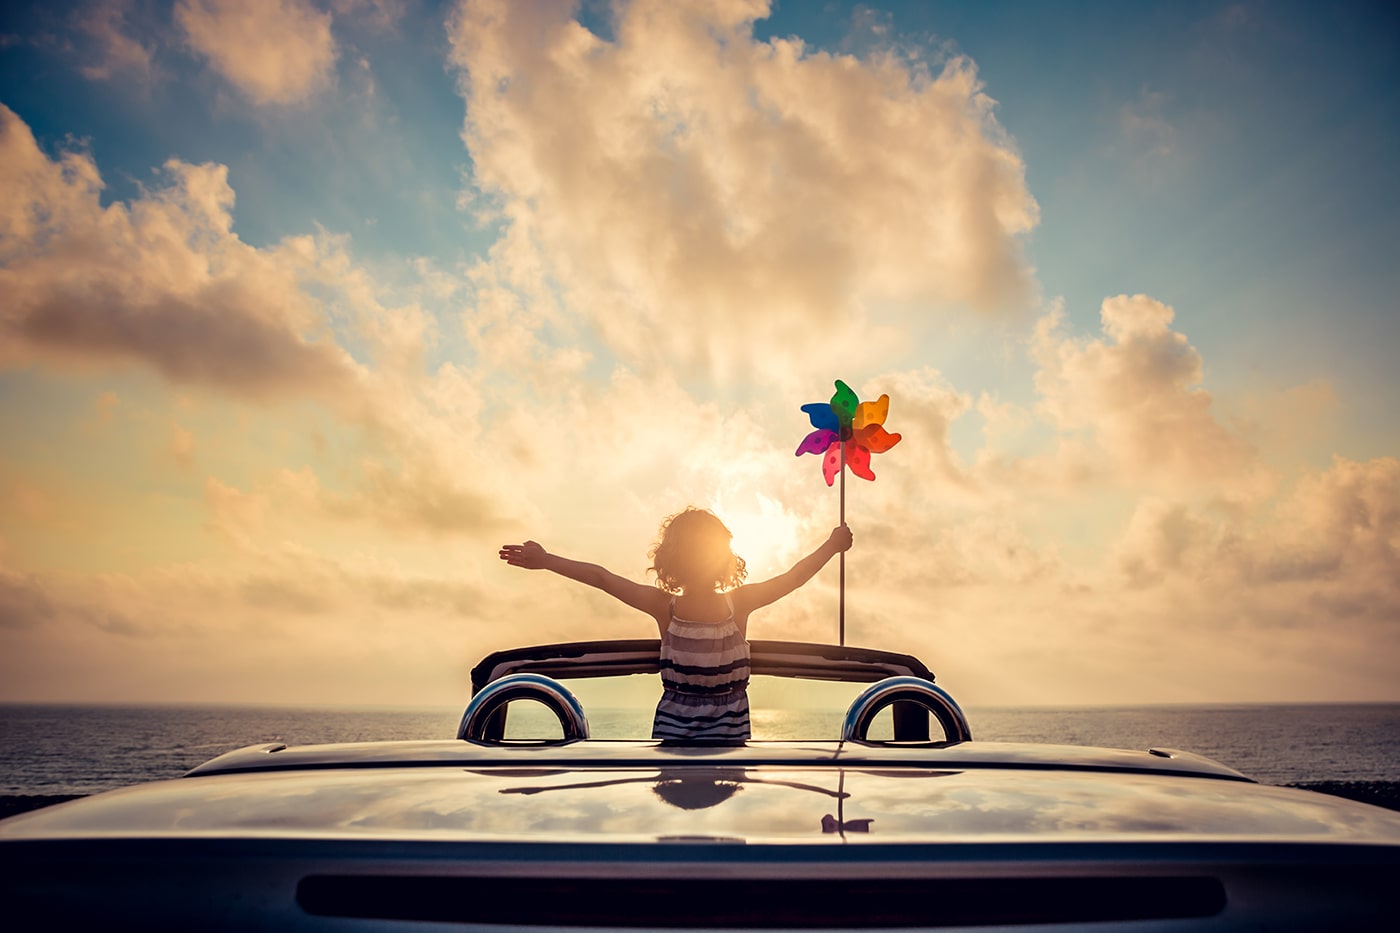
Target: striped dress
[{"x": 705, "y": 680}]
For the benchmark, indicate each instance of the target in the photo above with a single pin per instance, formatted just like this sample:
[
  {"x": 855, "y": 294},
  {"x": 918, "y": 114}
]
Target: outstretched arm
[
  {"x": 756, "y": 595},
  {"x": 532, "y": 556}
]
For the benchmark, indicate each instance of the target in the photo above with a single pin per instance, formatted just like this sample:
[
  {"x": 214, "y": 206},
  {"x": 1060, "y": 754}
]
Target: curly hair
[{"x": 693, "y": 548}]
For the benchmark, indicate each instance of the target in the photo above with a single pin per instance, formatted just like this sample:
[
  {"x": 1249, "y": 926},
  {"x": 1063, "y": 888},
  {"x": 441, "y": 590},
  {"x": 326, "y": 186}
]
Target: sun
[{"x": 765, "y": 534}]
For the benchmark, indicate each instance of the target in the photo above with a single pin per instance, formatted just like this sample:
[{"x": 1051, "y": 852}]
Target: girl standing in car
[{"x": 701, "y": 606}]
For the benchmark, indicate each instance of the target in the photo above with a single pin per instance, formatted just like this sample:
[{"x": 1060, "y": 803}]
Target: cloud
[
  {"x": 685, "y": 214},
  {"x": 1170, "y": 538},
  {"x": 291, "y": 628},
  {"x": 408, "y": 486},
  {"x": 1146, "y": 132},
  {"x": 926, "y": 408},
  {"x": 1119, "y": 525},
  {"x": 273, "y": 51},
  {"x": 702, "y": 199},
  {"x": 161, "y": 280},
  {"x": 1343, "y": 521},
  {"x": 1326, "y": 552},
  {"x": 181, "y": 447},
  {"x": 1303, "y": 589},
  {"x": 23, "y": 601},
  {"x": 952, "y": 561},
  {"x": 30, "y": 603},
  {"x": 236, "y": 515},
  {"x": 294, "y": 596},
  {"x": 117, "y": 53},
  {"x": 381, "y": 14},
  {"x": 1136, "y": 395}
]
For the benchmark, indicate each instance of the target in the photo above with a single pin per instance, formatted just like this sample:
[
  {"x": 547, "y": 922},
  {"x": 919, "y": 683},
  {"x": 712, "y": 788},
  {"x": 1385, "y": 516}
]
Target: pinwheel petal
[
  {"x": 875, "y": 438},
  {"x": 858, "y": 460},
  {"x": 868, "y": 413},
  {"x": 831, "y": 463},
  {"x": 823, "y": 418},
  {"x": 871, "y": 412},
  {"x": 843, "y": 404},
  {"x": 817, "y": 442}
]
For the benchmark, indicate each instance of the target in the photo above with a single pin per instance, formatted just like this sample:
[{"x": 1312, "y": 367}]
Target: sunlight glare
[{"x": 765, "y": 535}]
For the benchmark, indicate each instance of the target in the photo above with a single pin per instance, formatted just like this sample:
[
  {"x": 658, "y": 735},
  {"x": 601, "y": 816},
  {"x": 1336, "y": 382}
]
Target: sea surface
[{"x": 70, "y": 749}]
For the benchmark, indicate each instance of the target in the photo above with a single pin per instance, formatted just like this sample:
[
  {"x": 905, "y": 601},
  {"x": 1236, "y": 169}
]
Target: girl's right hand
[
  {"x": 529, "y": 555},
  {"x": 840, "y": 538}
]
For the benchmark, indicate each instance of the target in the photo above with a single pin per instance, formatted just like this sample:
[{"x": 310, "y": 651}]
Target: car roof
[
  {"x": 534, "y": 799},
  {"x": 607, "y": 753}
]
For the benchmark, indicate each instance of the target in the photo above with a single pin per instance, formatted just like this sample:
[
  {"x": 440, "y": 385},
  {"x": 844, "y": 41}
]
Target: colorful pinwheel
[
  {"x": 847, "y": 421},
  {"x": 846, "y": 431}
]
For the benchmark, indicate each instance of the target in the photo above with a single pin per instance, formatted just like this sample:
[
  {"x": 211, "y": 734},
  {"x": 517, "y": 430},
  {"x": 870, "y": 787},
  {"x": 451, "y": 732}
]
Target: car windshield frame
[
  {"x": 614, "y": 657},
  {"x": 773, "y": 663}
]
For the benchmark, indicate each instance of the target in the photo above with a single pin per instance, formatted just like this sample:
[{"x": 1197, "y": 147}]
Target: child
[{"x": 701, "y": 606}]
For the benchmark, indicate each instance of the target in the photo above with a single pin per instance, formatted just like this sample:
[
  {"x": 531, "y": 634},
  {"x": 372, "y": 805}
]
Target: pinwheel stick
[{"x": 841, "y": 604}]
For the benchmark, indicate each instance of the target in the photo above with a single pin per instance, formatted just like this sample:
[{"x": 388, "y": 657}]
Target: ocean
[{"x": 72, "y": 749}]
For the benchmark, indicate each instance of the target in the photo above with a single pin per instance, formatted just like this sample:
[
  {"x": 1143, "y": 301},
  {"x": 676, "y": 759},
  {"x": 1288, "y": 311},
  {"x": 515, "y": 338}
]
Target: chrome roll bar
[
  {"x": 490, "y": 700},
  {"x": 915, "y": 690}
]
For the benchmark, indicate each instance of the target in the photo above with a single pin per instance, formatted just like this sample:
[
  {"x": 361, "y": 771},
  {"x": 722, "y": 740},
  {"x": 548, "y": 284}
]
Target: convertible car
[{"x": 897, "y": 819}]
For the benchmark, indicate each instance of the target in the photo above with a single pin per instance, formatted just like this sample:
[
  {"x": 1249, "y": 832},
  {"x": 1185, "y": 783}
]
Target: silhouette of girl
[
  {"x": 692, "y": 788},
  {"x": 701, "y": 606}
]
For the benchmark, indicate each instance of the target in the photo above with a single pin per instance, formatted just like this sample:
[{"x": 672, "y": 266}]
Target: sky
[{"x": 307, "y": 306}]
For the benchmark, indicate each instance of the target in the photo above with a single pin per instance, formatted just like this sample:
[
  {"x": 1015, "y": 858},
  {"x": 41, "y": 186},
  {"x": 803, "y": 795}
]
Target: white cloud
[
  {"x": 1341, "y": 522},
  {"x": 273, "y": 51},
  {"x": 161, "y": 280},
  {"x": 1136, "y": 394},
  {"x": 705, "y": 200}
]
